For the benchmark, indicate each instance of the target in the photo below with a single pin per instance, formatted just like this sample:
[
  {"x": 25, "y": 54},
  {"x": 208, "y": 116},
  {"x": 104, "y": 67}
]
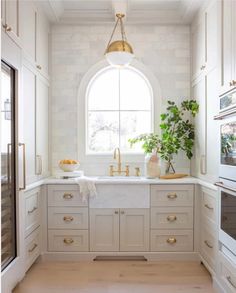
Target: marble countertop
[{"x": 105, "y": 180}]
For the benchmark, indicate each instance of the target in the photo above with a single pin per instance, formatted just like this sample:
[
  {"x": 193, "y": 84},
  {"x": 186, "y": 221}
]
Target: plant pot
[{"x": 152, "y": 166}]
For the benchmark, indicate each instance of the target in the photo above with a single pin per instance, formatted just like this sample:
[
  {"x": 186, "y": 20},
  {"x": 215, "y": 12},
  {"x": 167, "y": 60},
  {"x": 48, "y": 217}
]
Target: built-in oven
[
  {"x": 227, "y": 231},
  {"x": 228, "y": 149}
]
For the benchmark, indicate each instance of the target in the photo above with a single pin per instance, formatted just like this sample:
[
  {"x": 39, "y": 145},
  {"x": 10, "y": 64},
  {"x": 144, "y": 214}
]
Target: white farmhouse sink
[{"x": 119, "y": 177}]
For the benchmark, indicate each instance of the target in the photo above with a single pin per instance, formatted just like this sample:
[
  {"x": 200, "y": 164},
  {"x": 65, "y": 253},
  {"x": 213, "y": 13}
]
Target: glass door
[{"x": 8, "y": 165}]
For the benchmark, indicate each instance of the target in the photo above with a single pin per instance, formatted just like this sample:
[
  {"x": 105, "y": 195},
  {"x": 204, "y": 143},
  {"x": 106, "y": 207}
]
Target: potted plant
[{"x": 177, "y": 133}]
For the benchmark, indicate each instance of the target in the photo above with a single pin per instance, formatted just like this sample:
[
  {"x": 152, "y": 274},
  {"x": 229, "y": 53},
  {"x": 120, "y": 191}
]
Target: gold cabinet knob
[
  {"x": 171, "y": 218},
  {"x": 172, "y": 195},
  {"x": 39, "y": 67},
  {"x": 116, "y": 212},
  {"x": 122, "y": 212},
  {"x": 68, "y": 219},
  {"x": 68, "y": 196},
  {"x": 68, "y": 241},
  {"x": 171, "y": 240}
]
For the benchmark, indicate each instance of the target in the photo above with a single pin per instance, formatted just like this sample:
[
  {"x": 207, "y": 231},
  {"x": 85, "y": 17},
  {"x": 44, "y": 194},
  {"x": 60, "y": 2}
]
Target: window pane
[
  {"x": 103, "y": 131},
  {"x": 104, "y": 91},
  {"x": 134, "y": 91},
  {"x": 133, "y": 124}
]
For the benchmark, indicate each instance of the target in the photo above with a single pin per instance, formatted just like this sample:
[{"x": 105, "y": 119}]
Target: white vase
[{"x": 152, "y": 166}]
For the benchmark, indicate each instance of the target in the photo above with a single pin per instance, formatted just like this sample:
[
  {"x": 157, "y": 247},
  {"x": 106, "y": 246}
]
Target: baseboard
[{"x": 150, "y": 256}]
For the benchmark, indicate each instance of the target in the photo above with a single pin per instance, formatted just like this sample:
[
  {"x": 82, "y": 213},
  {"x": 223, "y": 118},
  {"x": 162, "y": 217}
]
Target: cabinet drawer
[
  {"x": 172, "y": 218},
  {"x": 67, "y": 218},
  {"x": 172, "y": 240},
  {"x": 65, "y": 195},
  {"x": 208, "y": 245},
  {"x": 32, "y": 248},
  {"x": 68, "y": 240},
  {"x": 32, "y": 210},
  {"x": 227, "y": 274},
  {"x": 171, "y": 195},
  {"x": 209, "y": 207}
]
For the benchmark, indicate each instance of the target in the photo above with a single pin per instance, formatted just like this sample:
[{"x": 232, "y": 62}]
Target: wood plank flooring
[{"x": 116, "y": 277}]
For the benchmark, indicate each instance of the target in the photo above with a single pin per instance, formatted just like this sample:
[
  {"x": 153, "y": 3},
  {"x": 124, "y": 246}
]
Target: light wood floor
[{"x": 116, "y": 277}]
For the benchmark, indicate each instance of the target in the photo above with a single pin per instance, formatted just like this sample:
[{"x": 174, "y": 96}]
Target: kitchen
[{"x": 73, "y": 101}]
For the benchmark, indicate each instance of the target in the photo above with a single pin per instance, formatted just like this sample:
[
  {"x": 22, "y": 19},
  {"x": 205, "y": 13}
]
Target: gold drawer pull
[
  {"x": 68, "y": 241},
  {"x": 33, "y": 248},
  {"x": 116, "y": 212},
  {"x": 68, "y": 196},
  {"x": 207, "y": 244},
  {"x": 33, "y": 209},
  {"x": 171, "y": 240},
  {"x": 171, "y": 218},
  {"x": 172, "y": 195},
  {"x": 68, "y": 219},
  {"x": 230, "y": 281},
  {"x": 208, "y": 207},
  {"x": 122, "y": 212}
]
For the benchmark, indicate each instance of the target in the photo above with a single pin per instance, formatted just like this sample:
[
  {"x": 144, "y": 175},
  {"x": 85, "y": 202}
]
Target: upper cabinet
[
  {"x": 204, "y": 40},
  {"x": 228, "y": 45},
  {"x": 34, "y": 35},
  {"x": 10, "y": 18}
]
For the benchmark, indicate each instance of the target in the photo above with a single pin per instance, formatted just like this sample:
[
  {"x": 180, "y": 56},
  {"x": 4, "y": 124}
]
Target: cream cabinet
[
  {"x": 10, "y": 18},
  {"x": 119, "y": 229},
  {"x": 42, "y": 125},
  {"x": 208, "y": 234},
  {"x": 228, "y": 45}
]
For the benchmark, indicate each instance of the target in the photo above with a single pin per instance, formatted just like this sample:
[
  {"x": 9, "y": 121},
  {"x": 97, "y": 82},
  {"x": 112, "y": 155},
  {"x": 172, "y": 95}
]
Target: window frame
[{"x": 151, "y": 111}]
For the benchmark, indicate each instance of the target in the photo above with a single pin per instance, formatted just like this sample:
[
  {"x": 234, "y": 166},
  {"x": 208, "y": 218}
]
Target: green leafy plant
[{"x": 177, "y": 133}]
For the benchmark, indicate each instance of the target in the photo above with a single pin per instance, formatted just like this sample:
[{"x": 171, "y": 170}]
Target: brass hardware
[
  {"x": 39, "y": 67},
  {"x": 207, "y": 244},
  {"x": 33, "y": 209},
  {"x": 68, "y": 219},
  {"x": 116, "y": 212},
  {"x": 172, "y": 195},
  {"x": 68, "y": 196},
  {"x": 230, "y": 281},
  {"x": 40, "y": 165},
  {"x": 68, "y": 240},
  {"x": 221, "y": 184},
  {"x": 122, "y": 212},
  {"x": 119, "y": 171},
  {"x": 33, "y": 248},
  {"x": 171, "y": 240},
  {"x": 137, "y": 171},
  {"x": 171, "y": 218},
  {"x": 233, "y": 82},
  {"x": 7, "y": 28},
  {"x": 24, "y": 167},
  {"x": 203, "y": 67},
  {"x": 208, "y": 207}
]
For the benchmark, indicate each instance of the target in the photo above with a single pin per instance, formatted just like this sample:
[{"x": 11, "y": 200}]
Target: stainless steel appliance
[
  {"x": 227, "y": 231},
  {"x": 8, "y": 166},
  {"x": 228, "y": 149}
]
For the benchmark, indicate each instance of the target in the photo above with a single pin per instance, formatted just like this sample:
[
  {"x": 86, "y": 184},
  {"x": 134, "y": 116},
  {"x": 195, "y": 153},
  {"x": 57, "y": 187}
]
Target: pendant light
[{"x": 119, "y": 53}]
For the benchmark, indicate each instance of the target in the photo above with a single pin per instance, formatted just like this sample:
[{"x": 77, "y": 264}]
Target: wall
[{"x": 164, "y": 50}]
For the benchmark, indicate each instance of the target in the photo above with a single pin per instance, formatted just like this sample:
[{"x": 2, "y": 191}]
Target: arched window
[{"x": 119, "y": 107}]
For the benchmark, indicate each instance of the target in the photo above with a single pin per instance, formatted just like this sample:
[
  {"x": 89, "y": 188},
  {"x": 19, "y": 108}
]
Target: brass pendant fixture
[{"x": 120, "y": 52}]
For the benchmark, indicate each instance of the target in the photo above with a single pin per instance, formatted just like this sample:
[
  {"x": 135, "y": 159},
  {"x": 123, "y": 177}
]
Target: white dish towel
[{"x": 87, "y": 187}]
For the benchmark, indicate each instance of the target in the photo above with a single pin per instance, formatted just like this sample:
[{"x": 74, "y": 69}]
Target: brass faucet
[{"x": 119, "y": 171}]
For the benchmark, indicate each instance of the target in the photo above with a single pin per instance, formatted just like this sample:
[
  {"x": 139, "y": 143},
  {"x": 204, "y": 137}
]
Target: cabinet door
[
  {"x": 226, "y": 45},
  {"x": 211, "y": 35},
  {"x": 104, "y": 230},
  {"x": 199, "y": 94},
  {"x": 42, "y": 127},
  {"x": 134, "y": 229},
  {"x": 198, "y": 48},
  {"x": 28, "y": 29},
  {"x": 12, "y": 19},
  {"x": 28, "y": 93},
  {"x": 42, "y": 43}
]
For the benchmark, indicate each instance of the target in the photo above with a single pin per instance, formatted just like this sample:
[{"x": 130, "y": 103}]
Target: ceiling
[{"x": 137, "y": 11}]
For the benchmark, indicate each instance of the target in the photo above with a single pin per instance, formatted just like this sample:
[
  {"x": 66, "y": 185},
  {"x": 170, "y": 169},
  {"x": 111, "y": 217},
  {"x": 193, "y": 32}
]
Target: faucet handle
[
  {"x": 137, "y": 171},
  {"x": 126, "y": 170},
  {"x": 111, "y": 170}
]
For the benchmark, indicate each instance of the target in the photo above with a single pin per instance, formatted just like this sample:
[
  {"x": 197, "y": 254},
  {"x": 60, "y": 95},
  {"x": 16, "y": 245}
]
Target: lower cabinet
[
  {"x": 227, "y": 274},
  {"x": 119, "y": 229},
  {"x": 32, "y": 248}
]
